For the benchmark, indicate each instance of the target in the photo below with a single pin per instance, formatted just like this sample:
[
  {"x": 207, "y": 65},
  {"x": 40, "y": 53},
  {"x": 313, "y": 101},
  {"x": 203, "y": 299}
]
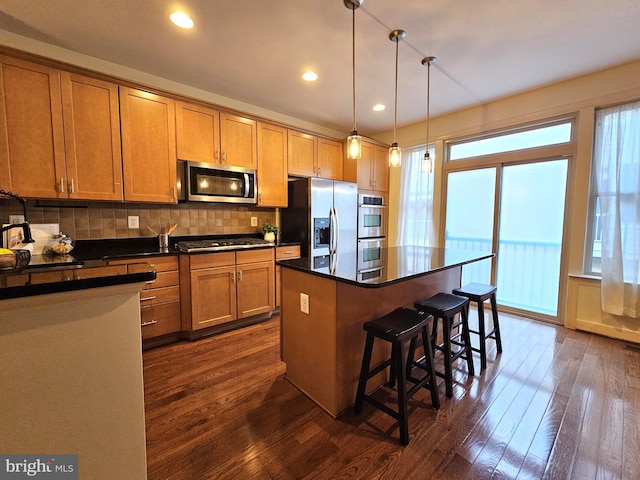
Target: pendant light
[
  {"x": 395, "y": 152},
  {"x": 354, "y": 141},
  {"x": 427, "y": 164}
]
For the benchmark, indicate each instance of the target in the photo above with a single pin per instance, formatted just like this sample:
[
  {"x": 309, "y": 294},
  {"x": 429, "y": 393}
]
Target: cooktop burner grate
[{"x": 220, "y": 244}]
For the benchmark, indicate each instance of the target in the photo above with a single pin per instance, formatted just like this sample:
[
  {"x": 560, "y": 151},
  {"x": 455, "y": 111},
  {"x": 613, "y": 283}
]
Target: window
[
  {"x": 614, "y": 239},
  {"x": 534, "y": 137}
]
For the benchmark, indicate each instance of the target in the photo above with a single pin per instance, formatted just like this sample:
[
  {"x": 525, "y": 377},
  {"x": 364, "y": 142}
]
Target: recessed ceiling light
[
  {"x": 181, "y": 19},
  {"x": 378, "y": 107},
  {"x": 310, "y": 76}
]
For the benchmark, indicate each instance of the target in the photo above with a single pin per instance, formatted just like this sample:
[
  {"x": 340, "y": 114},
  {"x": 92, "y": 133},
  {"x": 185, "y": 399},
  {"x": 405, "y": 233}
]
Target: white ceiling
[{"x": 254, "y": 51}]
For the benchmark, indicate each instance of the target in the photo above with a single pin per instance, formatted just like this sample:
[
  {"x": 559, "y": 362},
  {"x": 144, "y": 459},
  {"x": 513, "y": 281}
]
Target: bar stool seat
[
  {"x": 397, "y": 327},
  {"x": 479, "y": 293},
  {"x": 445, "y": 307}
]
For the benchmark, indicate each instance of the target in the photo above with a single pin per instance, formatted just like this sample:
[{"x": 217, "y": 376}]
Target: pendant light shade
[
  {"x": 354, "y": 141},
  {"x": 395, "y": 152},
  {"x": 427, "y": 163}
]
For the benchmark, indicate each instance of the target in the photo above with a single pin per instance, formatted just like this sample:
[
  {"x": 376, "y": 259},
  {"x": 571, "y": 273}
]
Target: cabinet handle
[
  {"x": 288, "y": 252},
  {"x": 61, "y": 186},
  {"x": 71, "y": 186},
  {"x": 218, "y": 155},
  {"x": 224, "y": 156},
  {"x": 146, "y": 324},
  {"x": 240, "y": 276},
  {"x": 233, "y": 277},
  {"x": 148, "y": 298}
]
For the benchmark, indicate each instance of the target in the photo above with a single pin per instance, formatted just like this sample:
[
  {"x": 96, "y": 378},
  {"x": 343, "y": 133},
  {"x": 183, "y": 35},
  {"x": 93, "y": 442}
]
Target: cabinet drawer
[
  {"x": 252, "y": 256},
  {"x": 82, "y": 273},
  {"x": 159, "y": 295},
  {"x": 163, "y": 279},
  {"x": 160, "y": 319},
  {"x": 288, "y": 252},
  {"x": 210, "y": 260}
]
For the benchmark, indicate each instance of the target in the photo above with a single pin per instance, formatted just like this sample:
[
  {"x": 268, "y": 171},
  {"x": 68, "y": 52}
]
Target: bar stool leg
[
  {"x": 467, "y": 339},
  {"x": 428, "y": 363},
  {"x": 483, "y": 335},
  {"x": 364, "y": 371},
  {"x": 496, "y": 324},
  {"x": 400, "y": 367},
  {"x": 448, "y": 376}
]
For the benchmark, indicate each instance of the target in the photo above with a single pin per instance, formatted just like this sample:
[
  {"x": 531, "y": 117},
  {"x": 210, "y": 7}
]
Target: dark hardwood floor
[{"x": 555, "y": 404}]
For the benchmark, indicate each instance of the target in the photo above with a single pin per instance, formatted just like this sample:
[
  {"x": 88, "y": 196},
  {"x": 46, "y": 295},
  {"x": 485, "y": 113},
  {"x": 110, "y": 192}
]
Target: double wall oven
[{"x": 372, "y": 242}]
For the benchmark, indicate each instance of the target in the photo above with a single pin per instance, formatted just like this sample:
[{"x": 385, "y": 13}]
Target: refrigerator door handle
[
  {"x": 332, "y": 230},
  {"x": 337, "y": 222}
]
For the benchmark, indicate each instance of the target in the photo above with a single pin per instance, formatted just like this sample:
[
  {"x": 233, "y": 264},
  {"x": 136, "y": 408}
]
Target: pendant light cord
[
  {"x": 353, "y": 72},
  {"x": 395, "y": 108},
  {"x": 428, "y": 90}
]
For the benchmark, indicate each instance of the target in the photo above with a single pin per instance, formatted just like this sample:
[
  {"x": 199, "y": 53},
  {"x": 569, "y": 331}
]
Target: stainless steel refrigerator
[{"x": 323, "y": 215}]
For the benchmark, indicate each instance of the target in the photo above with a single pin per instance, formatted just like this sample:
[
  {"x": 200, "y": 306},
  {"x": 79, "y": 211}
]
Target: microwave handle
[{"x": 246, "y": 184}]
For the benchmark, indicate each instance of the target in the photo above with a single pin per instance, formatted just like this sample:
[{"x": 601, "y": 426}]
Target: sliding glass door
[{"x": 524, "y": 227}]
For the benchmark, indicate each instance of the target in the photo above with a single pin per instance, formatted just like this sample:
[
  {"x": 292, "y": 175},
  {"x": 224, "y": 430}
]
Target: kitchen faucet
[{"x": 25, "y": 226}]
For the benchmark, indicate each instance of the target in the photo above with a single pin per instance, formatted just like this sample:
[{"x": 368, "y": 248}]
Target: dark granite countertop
[
  {"x": 395, "y": 265},
  {"x": 84, "y": 267},
  {"x": 66, "y": 278}
]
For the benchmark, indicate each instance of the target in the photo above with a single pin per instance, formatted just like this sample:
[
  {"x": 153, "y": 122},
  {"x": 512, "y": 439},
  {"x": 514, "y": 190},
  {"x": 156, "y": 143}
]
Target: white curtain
[
  {"x": 415, "y": 215},
  {"x": 617, "y": 180}
]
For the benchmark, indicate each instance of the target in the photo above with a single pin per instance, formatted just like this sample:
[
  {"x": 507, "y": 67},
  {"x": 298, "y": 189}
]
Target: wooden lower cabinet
[
  {"x": 159, "y": 299},
  {"x": 219, "y": 288},
  {"x": 283, "y": 253}
]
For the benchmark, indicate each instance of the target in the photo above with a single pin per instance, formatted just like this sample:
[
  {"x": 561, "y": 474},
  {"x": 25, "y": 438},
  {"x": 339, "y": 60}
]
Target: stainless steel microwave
[{"x": 208, "y": 182}]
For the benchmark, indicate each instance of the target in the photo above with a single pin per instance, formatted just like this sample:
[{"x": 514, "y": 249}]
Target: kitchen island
[
  {"x": 323, "y": 348},
  {"x": 71, "y": 366}
]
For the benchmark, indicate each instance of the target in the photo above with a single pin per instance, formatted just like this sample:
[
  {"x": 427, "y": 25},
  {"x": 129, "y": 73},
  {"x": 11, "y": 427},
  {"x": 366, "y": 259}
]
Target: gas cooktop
[{"x": 220, "y": 244}]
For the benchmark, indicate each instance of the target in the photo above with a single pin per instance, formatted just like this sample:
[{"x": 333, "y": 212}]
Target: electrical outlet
[
  {"x": 133, "y": 221},
  {"x": 304, "y": 303},
  {"x": 254, "y": 221},
  {"x": 13, "y": 219}
]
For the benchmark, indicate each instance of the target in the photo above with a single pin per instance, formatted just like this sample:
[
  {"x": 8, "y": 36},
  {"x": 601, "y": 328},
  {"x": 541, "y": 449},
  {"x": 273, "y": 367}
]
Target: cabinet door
[
  {"x": 330, "y": 161},
  {"x": 272, "y": 165},
  {"x": 302, "y": 153},
  {"x": 197, "y": 133},
  {"x": 380, "y": 167},
  {"x": 31, "y": 135},
  {"x": 256, "y": 288},
  {"x": 238, "y": 141},
  {"x": 213, "y": 296},
  {"x": 92, "y": 138},
  {"x": 148, "y": 146},
  {"x": 365, "y": 175}
]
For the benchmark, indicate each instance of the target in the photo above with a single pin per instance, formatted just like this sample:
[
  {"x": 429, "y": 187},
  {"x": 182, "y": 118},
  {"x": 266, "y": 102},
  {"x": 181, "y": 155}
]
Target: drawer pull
[
  {"x": 148, "y": 298},
  {"x": 288, "y": 252},
  {"x": 146, "y": 324}
]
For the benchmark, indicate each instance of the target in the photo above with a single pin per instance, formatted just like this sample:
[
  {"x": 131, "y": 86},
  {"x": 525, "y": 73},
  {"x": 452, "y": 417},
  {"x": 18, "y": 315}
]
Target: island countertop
[{"x": 396, "y": 264}]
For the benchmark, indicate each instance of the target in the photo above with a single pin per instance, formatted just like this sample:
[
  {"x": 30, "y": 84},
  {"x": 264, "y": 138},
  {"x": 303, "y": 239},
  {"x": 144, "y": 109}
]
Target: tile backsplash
[{"x": 96, "y": 220}]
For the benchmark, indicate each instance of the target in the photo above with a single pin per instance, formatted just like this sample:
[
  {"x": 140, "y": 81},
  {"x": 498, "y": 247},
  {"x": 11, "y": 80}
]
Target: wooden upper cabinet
[
  {"x": 92, "y": 138},
  {"x": 373, "y": 168},
  {"x": 238, "y": 141},
  {"x": 197, "y": 133},
  {"x": 302, "y": 153},
  {"x": 330, "y": 154},
  {"x": 312, "y": 156},
  {"x": 148, "y": 146},
  {"x": 272, "y": 165},
  {"x": 31, "y": 132}
]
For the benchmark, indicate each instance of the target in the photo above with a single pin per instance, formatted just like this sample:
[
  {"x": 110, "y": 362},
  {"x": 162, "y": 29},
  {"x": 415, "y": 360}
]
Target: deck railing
[{"x": 528, "y": 272}]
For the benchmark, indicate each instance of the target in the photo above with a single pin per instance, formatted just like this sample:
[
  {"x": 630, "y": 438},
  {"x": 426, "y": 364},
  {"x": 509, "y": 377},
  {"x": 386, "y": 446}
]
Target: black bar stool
[
  {"x": 397, "y": 327},
  {"x": 446, "y": 306},
  {"x": 479, "y": 293}
]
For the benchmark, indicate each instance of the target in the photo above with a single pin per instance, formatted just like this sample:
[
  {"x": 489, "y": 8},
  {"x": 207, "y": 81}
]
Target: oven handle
[
  {"x": 366, "y": 205},
  {"x": 370, "y": 270}
]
